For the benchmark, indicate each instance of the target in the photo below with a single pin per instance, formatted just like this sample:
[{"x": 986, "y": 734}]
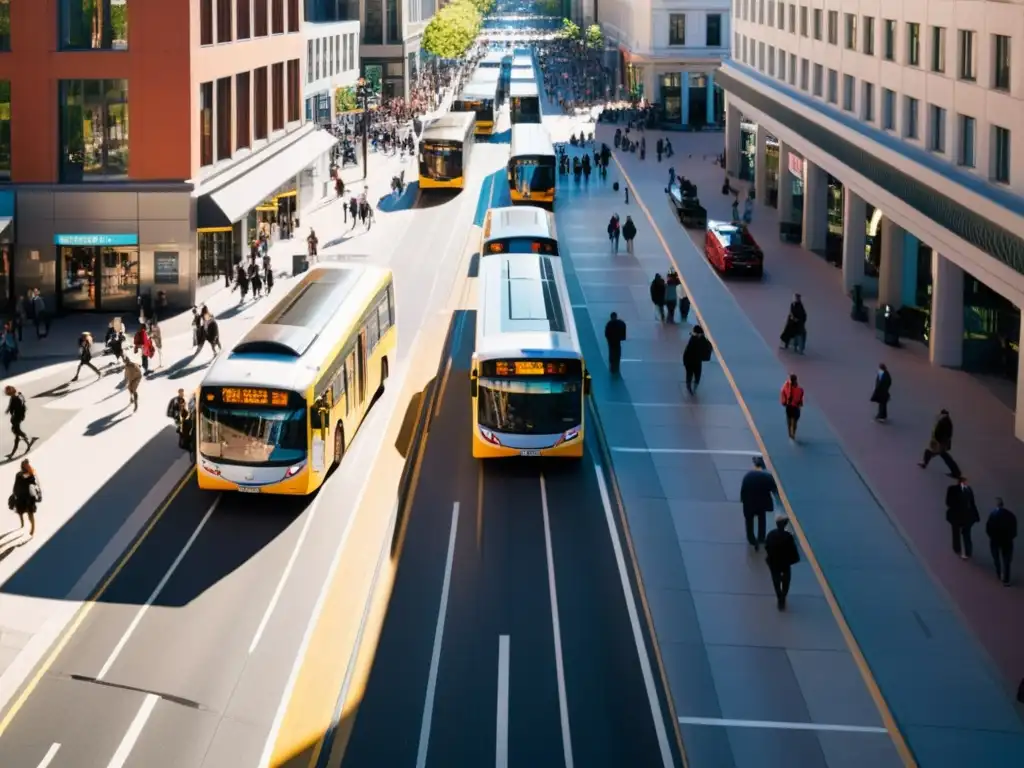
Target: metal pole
[{"x": 366, "y": 129}]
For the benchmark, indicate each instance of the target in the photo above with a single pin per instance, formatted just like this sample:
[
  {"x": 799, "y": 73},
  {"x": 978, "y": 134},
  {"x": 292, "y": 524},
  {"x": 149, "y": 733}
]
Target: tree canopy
[
  {"x": 453, "y": 29},
  {"x": 484, "y": 6},
  {"x": 570, "y": 30},
  {"x": 594, "y": 37}
]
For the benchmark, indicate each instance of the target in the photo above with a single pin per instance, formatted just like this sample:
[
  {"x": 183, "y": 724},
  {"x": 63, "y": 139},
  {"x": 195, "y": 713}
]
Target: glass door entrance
[{"x": 98, "y": 278}]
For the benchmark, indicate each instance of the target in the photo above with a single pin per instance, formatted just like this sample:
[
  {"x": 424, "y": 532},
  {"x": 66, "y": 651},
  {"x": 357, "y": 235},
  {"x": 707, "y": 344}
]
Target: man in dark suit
[
  {"x": 1001, "y": 528},
  {"x": 781, "y": 554},
  {"x": 961, "y": 514},
  {"x": 880, "y": 394},
  {"x": 940, "y": 444},
  {"x": 614, "y": 334},
  {"x": 757, "y": 493}
]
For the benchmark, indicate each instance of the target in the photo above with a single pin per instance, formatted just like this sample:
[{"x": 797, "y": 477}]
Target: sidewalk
[{"x": 731, "y": 659}]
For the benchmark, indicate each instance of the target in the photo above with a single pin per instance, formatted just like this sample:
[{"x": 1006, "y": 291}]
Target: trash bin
[
  {"x": 887, "y": 325},
  {"x": 300, "y": 263}
]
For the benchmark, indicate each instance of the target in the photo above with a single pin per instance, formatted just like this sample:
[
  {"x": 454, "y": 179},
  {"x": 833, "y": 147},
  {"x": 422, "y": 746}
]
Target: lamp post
[{"x": 363, "y": 94}]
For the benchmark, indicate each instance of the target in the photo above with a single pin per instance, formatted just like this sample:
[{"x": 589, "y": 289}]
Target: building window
[
  {"x": 792, "y": 19},
  {"x": 277, "y": 17},
  {"x": 337, "y": 53},
  {"x": 851, "y": 31},
  {"x": 889, "y": 49},
  {"x": 805, "y": 67},
  {"x": 771, "y": 13},
  {"x": 833, "y": 86},
  {"x": 223, "y": 118},
  {"x": 792, "y": 69},
  {"x": 819, "y": 77},
  {"x": 93, "y": 24},
  {"x": 373, "y": 22},
  {"x": 206, "y": 22},
  {"x": 910, "y": 127},
  {"x": 760, "y": 56},
  {"x": 5, "y": 130},
  {"x": 316, "y": 65},
  {"x": 888, "y": 109},
  {"x": 938, "y": 49},
  {"x": 277, "y": 97},
  {"x": 833, "y": 27},
  {"x": 309, "y": 62},
  {"x": 1000, "y": 155},
  {"x": 782, "y": 16},
  {"x": 294, "y": 91},
  {"x": 353, "y": 51},
  {"x": 260, "y": 104},
  {"x": 293, "y": 16},
  {"x": 206, "y": 124},
  {"x": 849, "y": 97},
  {"x": 394, "y": 22},
  {"x": 936, "y": 129},
  {"x": 968, "y": 64},
  {"x": 913, "y": 44},
  {"x": 867, "y": 105},
  {"x": 771, "y": 60},
  {"x": 869, "y": 35},
  {"x": 5, "y": 26},
  {"x": 259, "y": 18},
  {"x": 782, "y": 65},
  {"x": 243, "y": 19},
  {"x": 803, "y": 21},
  {"x": 93, "y": 129},
  {"x": 224, "y": 21},
  {"x": 677, "y": 29},
  {"x": 243, "y": 127},
  {"x": 817, "y": 23},
  {"x": 1001, "y": 62},
  {"x": 714, "y": 30},
  {"x": 968, "y": 130}
]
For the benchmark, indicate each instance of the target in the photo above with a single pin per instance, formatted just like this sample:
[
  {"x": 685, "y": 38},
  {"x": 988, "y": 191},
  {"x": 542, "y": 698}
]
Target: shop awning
[{"x": 230, "y": 202}]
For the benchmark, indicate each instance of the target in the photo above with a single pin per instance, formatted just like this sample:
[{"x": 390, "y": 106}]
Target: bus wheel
[
  {"x": 339, "y": 444},
  {"x": 383, "y": 370}
]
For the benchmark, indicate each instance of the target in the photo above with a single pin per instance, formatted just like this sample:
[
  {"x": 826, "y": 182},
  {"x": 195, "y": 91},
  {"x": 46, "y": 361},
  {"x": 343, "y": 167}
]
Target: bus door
[
  {"x": 362, "y": 365},
  {"x": 352, "y": 376}
]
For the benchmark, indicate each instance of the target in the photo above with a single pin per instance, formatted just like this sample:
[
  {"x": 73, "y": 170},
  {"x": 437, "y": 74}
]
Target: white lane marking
[
  {"x": 563, "y": 700},
  {"x": 284, "y": 576},
  {"x": 634, "y": 620},
  {"x": 156, "y": 592},
  {"x": 780, "y": 725},
  {"x": 50, "y": 754},
  {"x": 579, "y": 306},
  {"x": 501, "y": 742},
  {"x": 435, "y": 657},
  {"x": 124, "y": 749},
  {"x": 699, "y": 451},
  {"x": 632, "y": 360}
]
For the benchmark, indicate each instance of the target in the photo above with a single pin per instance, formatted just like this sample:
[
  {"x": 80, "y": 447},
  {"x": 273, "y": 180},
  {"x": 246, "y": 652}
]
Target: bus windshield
[
  {"x": 484, "y": 108},
  {"x": 530, "y": 407},
  {"x": 533, "y": 174},
  {"x": 253, "y": 436},
  {"x": 525, "y": 109},
  {"x": 441, "y": 160}
]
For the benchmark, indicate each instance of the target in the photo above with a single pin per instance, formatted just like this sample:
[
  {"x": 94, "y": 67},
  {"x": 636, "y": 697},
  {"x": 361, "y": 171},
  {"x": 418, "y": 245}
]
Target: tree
[
  {"x": 452, "y": 30},
  {"x": 345, "y": 100},
  {"x": 569, "y": 31},
  {"x": 483, "y": 7},
  {"x": 594, "y": 37}
]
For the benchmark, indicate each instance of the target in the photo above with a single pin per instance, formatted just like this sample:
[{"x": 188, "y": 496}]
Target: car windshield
[
  {"x": 530, "y": 407},
  {"x": 253, "y": 436}
]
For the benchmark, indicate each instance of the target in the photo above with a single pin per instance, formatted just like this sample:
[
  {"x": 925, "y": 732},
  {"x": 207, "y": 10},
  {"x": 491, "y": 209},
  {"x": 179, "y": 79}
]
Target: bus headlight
[
  {"x": 211, "y": 469},
  {"x": 293, "y": 471},
  {"x": 489, "y": 436},
  {"x": 568, "y": 435}
]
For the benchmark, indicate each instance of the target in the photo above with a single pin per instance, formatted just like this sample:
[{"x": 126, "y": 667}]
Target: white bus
[
  {"x": 525, "y": 102},
  {"x": 529, "y": 382},
  {"x": 532, "y": 165},
  {"x": 445, "y": 149},
  {"x": 519, "y": 229}
]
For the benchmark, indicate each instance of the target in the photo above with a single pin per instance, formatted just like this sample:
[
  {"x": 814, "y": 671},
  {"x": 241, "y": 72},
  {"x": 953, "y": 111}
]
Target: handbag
[{"x": 12, "y": 502}]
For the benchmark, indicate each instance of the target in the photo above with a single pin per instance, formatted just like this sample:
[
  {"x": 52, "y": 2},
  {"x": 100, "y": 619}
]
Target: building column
[
  {"x": 733, "y": 139},
  {"x": 946, "y": 340},
  {"x": 684, "y": 95},
  {"x": 855, "y": 213},
  {"x": 785, "y": 186},
  {"x": 650, "y": 88},
  {"x": 1018, "y": 426},
  {"x": 890, "y": 270},
  {"x": 710, "y": 95},
  {"x": 761, "y": 166},
  {"x": 815, "y": 222}
]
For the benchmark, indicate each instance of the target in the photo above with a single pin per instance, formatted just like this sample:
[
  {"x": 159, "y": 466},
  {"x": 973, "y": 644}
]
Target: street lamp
[{"x": 363, "y": 95}]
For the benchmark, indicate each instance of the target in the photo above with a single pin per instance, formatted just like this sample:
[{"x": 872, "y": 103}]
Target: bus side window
[
  {"x": 372, "y": 332},
  {"x": 350, "y": 382},
  {"x": 391, "y": 303},
  {"x": 316, "y": 420},
  {"x": 383, "y": 315},
  {"x": 338, "y": 387}
]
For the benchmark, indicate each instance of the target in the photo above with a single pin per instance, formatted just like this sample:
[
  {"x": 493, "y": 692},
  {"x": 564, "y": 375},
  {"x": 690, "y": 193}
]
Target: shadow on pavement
[
  {"x": 474, "y": 266},
  {"x": 103, "y": 423},
  {"x": 505, "y": 137},
  {"x": 436, "y": 197},
  {"x": 407, "y": 200}
]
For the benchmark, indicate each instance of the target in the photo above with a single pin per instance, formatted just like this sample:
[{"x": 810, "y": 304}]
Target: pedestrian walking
[
  {"x": 748, "y": 209},
  {"x": 614, "y": 334},
  {"x": 736, "y": 209},
  {"x": 8, "y": 346},
  {"x": 132, "y": 379},
  {"x": 26, "y": 496},
  {"x": 311, "y": 244},
  {"x": 659, "y": 148},
  {"x": 41, "y": 315},
  {"x": 697, "y": 352},
  {"x": 268, "y": 279},
  {"x": 880, "y": 394},
  {"x": 792, "y": 399},
  {"x": 758, "y": 492},
  {"x": 795, "y": 329},
  {"x": 613, "y": 232},
  {"x": 658, "y": 295},
  {"x": 671, "y": 295},
  {"x": 198, "y": 331},
  {"x": 629, "y": 233},
  {"x": 961, "y": 514},
  {"x": 212, "y": 329},
  {"x": 1001, "y": 528},
  {"x": 142, "y": 345},
  {"x": 17, "y": 410},
  {"x": 353, "y": 210},
  {"x": 940, "y": 444},
  {"x": 781, "y": 554},
  {"x": 157, "y": 337},
  {"x": 85, "y": 343}
]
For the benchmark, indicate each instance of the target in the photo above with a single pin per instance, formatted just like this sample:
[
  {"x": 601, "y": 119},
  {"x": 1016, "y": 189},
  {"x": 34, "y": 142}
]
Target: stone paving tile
[
  {"x": 833, "y": 688},
  {"x": 776, "y": 697}
]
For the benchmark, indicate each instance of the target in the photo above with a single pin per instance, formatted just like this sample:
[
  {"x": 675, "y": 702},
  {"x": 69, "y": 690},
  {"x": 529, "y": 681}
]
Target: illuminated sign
[
  {"x": 86, "y": 241},
  {"x": 523, "y": 245},
  {"x": 507, "y": 368},
  {"x": 246, "y": 396},
  {"x": 430, "y": 146}
]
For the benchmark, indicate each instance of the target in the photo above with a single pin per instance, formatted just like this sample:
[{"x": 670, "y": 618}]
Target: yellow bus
[
  {"x": 532, "y": 165},
  {"x": 528, "y": 381},
  {"x": 445, "y": 150},
  {"x": 278, "y": 411},
  {"x": 481, "y": 98},
  {"x": 519, "y": 229},
  {"x": 525, "y": 102}
]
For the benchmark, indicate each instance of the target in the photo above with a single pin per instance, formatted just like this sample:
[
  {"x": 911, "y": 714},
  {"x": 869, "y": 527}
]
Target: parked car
[
  {"x": 731, "y": 249},
  {"x": 689, "y": 211}
]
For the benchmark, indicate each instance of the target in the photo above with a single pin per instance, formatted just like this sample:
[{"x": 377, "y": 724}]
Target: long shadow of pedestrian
[
  {"x": 103, "y": 423},
  {"x": 66, "y": 389},
  {"x": 181, "y": 373},
  {"x": 234, "y": 311}
]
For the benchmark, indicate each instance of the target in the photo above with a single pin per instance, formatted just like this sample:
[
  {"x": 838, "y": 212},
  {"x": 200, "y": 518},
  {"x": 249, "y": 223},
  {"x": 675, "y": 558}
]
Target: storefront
[
  {"x": 748, "y": 150},
  {"x": 793, "y": 175},
  {"x": 98, "y": 272}
]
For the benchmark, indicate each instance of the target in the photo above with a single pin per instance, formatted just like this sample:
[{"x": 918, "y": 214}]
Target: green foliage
[
  {"x": 549, "y": 7},
  {"x": 453, "y": 29},
  {"x": 119, "y": 21},
  {"x": 594, "y": 37},
  {"x": 345, "y": 100},
  {"x": 483, "y": 7},
  {"x": 569, "y": 31}
]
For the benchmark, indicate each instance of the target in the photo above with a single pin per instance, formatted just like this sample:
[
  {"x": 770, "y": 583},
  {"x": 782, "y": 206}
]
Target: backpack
[
  {"x": 705, "y": 351},
  {"x": 172, "y": 408}
]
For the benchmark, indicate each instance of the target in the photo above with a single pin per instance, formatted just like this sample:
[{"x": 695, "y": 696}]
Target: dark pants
[
  {"x": 1002, "y": 556},
  {"x": 962, "y": 539},
  {"x": 748, "y": 520},
  {"x": 19, "y": 435},
  {"x": 883, "y": 409},
  {"x": 693, "y": 373},
  {"x": 671, "y": 307},
  {"x": 661, "y": 310},
  {"x": 614, "y": 356},
  {"x": 87, "y": 364},
  {"x": 792, "y": 419},
  {"x": 952, "y": 466},
  {"x": 781, "y": 575}
]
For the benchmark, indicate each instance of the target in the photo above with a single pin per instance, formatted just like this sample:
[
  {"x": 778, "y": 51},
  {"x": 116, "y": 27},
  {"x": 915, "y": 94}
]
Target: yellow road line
[
  {"x": 858, "y": 656},
  {"x": 83, "y": 612}
]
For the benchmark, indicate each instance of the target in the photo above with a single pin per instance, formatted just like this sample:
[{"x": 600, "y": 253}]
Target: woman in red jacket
[{"x": 792, "y": 399}]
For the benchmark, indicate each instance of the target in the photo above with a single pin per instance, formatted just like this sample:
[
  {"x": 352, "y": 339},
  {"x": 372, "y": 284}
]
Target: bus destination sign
[
  {"x": 530, "y": 368},
  {"x": 247, "y": 396},
  {"x": 522, "y": 245}
]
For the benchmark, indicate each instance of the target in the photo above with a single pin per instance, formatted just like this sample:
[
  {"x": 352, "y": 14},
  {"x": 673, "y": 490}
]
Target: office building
[
  {"x": 889, "y": 137},
  {"x": 669, "y": 52},
  {"x": 144, "y": 143},
  {"x": 332, "y": 69}
]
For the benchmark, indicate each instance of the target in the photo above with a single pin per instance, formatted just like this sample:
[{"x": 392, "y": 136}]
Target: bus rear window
[{"x": 543, "y": 245}]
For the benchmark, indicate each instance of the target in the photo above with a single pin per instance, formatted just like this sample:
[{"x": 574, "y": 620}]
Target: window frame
[{"x": 675, "y": 20}]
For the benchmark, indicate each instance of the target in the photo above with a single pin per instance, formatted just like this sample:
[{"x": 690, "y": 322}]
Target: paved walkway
[{"x": 740, "y": 671}]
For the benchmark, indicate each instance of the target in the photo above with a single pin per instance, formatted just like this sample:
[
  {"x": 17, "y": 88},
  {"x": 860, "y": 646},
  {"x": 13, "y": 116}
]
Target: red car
[{"x": 732, "y": 250}]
